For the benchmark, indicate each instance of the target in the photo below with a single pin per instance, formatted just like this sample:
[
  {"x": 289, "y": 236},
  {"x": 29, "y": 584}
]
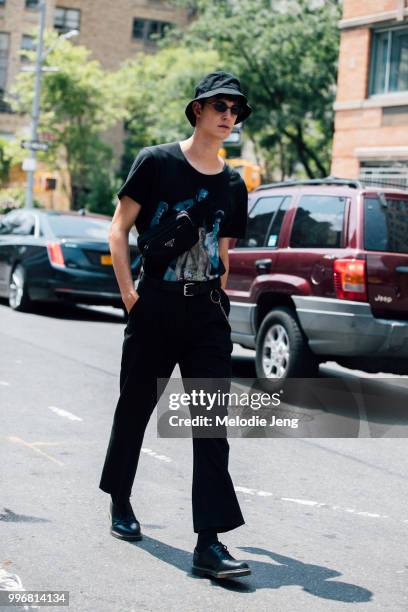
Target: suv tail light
[
  {"x": 350, "y": 279},
  {"x": 55, "y": 254}
]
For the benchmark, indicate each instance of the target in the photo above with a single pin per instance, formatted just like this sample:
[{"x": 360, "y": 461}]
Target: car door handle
[
  {"x": 263, "y": 265},
  {"x": 403, "y": 269}
]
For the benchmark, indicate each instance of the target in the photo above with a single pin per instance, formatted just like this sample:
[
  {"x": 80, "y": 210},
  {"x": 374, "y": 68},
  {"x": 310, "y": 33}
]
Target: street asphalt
[{"x": 326, "y": 517}]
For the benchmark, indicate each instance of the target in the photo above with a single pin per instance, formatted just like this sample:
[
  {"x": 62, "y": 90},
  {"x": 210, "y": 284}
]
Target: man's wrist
[{"x": 129, "y": 294}]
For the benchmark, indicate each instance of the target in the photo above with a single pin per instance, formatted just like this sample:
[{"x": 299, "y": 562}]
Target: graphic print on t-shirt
[{"x": 202, "y": 261}]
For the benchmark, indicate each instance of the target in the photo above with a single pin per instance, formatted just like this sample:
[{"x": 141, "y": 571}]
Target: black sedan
[{"x": 54, "y": 256}]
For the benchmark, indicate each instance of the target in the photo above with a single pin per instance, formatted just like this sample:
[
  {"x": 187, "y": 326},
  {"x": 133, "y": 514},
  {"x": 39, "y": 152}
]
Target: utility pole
[
  {"x": 32, "y": 154},
  {"x": 30, "y": 163}
]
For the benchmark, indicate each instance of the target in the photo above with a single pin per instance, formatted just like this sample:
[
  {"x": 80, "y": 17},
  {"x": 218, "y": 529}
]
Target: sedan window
[
  {"x": 9, "y": 223},
  {"x": 71, "y": 226},
  {"x": 5, "y": 227},
  {"x": 24, "y": 225}
]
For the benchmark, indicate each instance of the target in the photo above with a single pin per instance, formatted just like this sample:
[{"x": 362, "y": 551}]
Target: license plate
[{"x": 106, "y": 260}]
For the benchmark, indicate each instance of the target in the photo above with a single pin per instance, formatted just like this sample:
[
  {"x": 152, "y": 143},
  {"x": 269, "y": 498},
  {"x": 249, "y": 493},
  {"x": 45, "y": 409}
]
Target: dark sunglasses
[{"x": 221, "y": 107}]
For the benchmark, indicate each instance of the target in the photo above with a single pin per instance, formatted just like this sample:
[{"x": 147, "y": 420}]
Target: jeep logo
[{"x": 383, "y": 298}]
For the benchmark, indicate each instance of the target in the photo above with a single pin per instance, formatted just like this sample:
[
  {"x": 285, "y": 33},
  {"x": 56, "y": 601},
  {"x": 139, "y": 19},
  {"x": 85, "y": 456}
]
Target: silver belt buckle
[{"x": 185, "y": 287}]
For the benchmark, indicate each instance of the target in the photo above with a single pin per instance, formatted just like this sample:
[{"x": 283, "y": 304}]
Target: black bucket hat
[{"x": 218, "y": 82}]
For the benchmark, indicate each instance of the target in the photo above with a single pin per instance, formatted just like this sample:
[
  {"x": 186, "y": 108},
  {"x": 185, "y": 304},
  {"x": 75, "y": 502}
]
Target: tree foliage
[
  {"x": 5, "y": 162},
  {"x": 285, "y": 53},
  {"x": 77, "y": 105}
]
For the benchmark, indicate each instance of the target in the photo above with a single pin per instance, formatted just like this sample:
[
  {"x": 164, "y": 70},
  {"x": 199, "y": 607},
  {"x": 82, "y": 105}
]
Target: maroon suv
[{"x": 322, "y": 275}]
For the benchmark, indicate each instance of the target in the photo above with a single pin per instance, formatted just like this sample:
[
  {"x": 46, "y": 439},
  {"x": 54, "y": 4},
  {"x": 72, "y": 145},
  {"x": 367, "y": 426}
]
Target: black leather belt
[{"x": 187, "y": 288}]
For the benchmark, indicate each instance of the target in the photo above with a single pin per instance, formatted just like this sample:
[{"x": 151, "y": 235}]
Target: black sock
[
  {"x": 120, "y": 500},
  {"x": 206, "y": 537}
]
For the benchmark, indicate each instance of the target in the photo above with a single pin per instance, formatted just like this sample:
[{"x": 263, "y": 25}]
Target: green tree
[
  {"x": 286, "y": 56},
  {"x": 77, "y": 106},
  {"x": 5, "y": 162},
  {"x": 12, "y": 198}
]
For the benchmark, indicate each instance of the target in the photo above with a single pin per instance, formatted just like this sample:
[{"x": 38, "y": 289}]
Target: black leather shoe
[
  {"x": 215, "y": 561},
  {"x": 125, "y": 525}
]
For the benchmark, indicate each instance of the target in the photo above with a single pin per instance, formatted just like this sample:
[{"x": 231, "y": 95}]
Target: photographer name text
[{"x": 231, "y": 421}]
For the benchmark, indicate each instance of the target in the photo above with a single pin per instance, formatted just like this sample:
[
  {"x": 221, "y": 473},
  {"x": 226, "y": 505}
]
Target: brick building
[
  {"x": 112, "y": 30},
  {"x": 371, "y": 109}
]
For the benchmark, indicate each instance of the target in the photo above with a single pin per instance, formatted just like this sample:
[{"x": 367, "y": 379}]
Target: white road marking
[
  {"x": 151, "y": 452},
  {"x": 45, "y": 443},
  {"x": 17, "y": 440},
  {"x": 309, "y": 502},
  {"x": 253, "y": 491},
  {"x": 314, "y": 504},
  {"x": 64, "y": 413},
  {"x": 304, "y": 502},
  {"x": 245, "y": 490},
  {"x": 4, "y": 383}
]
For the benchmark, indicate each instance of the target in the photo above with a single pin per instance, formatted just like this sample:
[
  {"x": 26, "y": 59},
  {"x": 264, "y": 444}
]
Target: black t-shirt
[{"x": 162, "y": 181}]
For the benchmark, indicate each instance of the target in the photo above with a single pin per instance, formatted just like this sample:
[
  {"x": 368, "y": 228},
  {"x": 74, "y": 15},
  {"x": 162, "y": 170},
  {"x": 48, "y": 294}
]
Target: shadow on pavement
[
  {"x": 8, "y": 516},
  {"x": 279, "y": 572}
]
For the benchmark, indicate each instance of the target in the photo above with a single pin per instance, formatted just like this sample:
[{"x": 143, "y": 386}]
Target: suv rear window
[
  {"x": 386, "y": 224},
  {"x": 318, "y": 222}
]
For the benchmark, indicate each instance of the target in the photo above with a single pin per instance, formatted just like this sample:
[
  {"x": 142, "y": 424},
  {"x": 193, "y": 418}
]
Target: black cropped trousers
[{"x": 165, "y": 329}]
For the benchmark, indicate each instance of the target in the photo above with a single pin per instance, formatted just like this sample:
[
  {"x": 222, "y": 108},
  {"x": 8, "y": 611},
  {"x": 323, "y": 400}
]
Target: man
[{"x": 179, "y": 313}]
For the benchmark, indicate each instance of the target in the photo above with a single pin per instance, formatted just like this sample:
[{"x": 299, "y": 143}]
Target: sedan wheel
[{"x": 18, "y": 294}]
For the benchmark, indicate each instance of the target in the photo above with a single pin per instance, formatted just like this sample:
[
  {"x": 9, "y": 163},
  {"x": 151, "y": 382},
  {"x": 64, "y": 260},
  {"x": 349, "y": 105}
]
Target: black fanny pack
[
  {"x": 170, "y": 238},
  {"x": 174, "y": 235}
]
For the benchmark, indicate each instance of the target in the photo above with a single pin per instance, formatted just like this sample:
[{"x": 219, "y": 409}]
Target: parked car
[
  {"x": 322, "y": 275},
  {"x": 54, "y": 256}
]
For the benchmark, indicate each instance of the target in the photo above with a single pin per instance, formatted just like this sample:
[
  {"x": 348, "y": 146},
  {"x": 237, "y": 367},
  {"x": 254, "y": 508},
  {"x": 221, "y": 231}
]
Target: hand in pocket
[{"x": 130, "y": 304}]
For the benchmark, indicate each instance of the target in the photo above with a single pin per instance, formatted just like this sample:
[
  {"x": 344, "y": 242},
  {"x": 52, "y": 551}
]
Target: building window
[
  {"x": 138, "y": 28},
  {"x": 31, "y": 4},
  {"x": 4, "y": 54},
  {"x": 27, "y": 44},
  {"x": 66, "y": 19},
  {"x": 147, "y": 30},
  {"x": 389, "y": 61}
]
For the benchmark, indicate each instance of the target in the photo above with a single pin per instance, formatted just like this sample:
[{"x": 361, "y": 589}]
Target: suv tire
[{"x": 282, "y": 351}]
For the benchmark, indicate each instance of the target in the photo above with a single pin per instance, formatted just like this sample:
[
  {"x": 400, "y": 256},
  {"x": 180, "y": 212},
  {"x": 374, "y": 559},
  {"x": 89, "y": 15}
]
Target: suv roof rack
[{"x": 328, "y": 180}]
